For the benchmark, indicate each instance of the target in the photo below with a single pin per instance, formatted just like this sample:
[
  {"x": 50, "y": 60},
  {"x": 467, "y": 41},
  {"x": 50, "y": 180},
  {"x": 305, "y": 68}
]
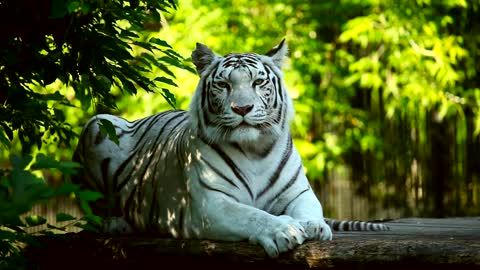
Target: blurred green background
[{"x": 386, "y": 92}]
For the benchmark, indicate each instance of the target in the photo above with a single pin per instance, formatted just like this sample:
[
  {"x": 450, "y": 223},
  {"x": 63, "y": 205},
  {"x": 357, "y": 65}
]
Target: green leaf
[
  {"x": 66, "y": 189},
  {"x": 64, "y": 217},
  {"x": 82, "y": 91},
  {"x": 144, "y": 45},
  {"x": 87, "y": 227},
  {"x": 160, "y": 42},
  {"x": 104, "y": 83},
  {"x": 44, "y": 162},
  {"x": 35, "y": 220},
  {"x": 169, "y": 97},
  {"x": 4, "y": 140},
  {"x": 128, "y": 85},
  {"x": 8, "y": 131},
  {"x": 8, "y": 235},
  {"x": 107, "y": 128},
  {"x": 92, "y": 219},
  {"x": 85, "y": 207},
  {"x": 87, "y": 195},
  {"x": 128, "y": 34},
  {"x": 50, "y": 226},
  {"x": 166, "y": 80}
]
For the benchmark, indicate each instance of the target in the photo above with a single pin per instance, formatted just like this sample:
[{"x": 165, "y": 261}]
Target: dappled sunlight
[
  {"x": 170, "y": 221},
  {"x": 391, "y": 103}
]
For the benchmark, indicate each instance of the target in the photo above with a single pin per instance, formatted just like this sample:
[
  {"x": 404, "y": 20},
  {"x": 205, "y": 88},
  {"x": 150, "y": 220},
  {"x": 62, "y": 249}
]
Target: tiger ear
[
  {"x": 278, "y": 53},
  {"x": 202, "y": 57}
]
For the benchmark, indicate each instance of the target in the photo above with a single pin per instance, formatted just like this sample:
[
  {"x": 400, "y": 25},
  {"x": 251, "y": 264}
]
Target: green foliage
[
  {"x": 86, "y": 44},
  {"x": 375, "y": 83},
  {"x": 21, "y": 189},
  {"x": 107, "y": 128},
  {"x": 60, "y": 62}
]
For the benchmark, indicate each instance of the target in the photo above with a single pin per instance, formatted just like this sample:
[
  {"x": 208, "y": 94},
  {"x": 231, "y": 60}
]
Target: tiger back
[{"x": 226, "y": 169}]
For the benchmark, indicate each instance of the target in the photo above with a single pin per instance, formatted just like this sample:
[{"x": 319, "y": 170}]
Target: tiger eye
[
  {"x": 222, "y": 84},
  {"x": 258, "y": 82}
]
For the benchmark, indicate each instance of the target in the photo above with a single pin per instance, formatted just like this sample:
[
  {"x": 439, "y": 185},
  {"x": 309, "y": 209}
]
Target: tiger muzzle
[{"x": 242, "y": 110}]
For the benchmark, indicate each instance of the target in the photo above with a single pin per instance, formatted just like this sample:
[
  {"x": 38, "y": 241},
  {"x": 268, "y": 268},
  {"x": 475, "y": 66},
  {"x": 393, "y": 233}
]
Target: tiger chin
[{"x": 225, "y": 170}]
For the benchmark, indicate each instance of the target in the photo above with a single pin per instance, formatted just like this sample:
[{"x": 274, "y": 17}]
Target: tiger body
[{"x": 226, "y": 169}]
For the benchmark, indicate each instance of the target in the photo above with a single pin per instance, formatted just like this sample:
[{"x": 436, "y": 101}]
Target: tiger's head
[{"x": 240, "y": 97}]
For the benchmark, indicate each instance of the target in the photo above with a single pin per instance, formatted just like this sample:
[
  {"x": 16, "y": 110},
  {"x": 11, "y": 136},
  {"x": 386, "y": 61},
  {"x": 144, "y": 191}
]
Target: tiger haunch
[{"x": 226, "y": 169}]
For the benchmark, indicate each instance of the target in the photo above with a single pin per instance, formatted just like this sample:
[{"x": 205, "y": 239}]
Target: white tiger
[{"x": 225, "y": 170}]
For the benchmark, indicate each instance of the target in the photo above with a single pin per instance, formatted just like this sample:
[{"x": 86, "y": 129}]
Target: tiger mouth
[{"x": 244, "y": 124}]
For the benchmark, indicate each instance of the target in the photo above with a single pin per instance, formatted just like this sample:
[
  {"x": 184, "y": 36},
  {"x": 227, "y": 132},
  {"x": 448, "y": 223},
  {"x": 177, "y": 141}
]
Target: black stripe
[
  {"x": 179, "y": 150},
  {"x": 92, "y": 184},
  {"x": 136, "y": 126},
  {"x": 219, "y": 173},
  {"x": 345, "y": 226},
  {"x": 284, "y": 188},
  {"x": 205, "y": 87},
  {"x": 276, "y": 175},
  {"x": 153, "y": 213},
  {"x": 128, "y": 205},
  {"x": 181, "y": 218},
  {"x": 275, "y": 101},
  {"x": 128, "y": 176},
  {"x": 280, "y": 89},
  {"x": 120, "y": 170},
  {"x": 251, "y": 60},
  {"x": 153, "y": 121},
  {"x": 284, "y": 120},
  {"x": 201, "y": 128},
  {"x": 358, "y": 226},
  {"x": 238, "y": 173},
  {"x": 283, "y": 212},
  {"x": 266, "y": 151},
  {"x": 99, "y": 138},
  {"x": 104, "y": 169},
  {"x": 160, "y": 134},
  {"x": 210, "y": 103},
  {"x": 238, "y": 148},
  {"x": 203, "y": 184},
  {"x": 335, "y": 225},
  {"x": 204, "y": 92},
  {"x": 276, "y": 81}
]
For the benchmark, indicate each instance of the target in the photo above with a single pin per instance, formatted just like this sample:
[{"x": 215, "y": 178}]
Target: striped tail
[{"x": 355, "y": 225}]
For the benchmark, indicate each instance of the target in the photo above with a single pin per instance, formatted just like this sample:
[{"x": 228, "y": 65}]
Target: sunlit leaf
[
  {"x": 169, "y": 97},
  {"x": 166, "y": 81},
  {"x": 160, "y": 42}
]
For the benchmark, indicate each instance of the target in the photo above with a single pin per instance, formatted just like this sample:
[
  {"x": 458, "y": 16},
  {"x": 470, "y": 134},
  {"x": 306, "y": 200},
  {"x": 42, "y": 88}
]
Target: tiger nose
[{"x": 242, "y": 110}]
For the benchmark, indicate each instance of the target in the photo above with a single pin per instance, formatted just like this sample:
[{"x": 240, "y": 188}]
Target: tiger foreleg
[
  {"x": 308, "y": 211},
  {"x": 223, "y": 218}
]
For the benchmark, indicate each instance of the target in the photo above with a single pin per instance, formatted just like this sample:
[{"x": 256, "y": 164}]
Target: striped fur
[{"x": 226, "y": 169}]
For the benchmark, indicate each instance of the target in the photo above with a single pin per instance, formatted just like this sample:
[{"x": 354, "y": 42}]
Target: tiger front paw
[
  {"x": 284, "y": 234},
  {"x": 317, "y": 230}
]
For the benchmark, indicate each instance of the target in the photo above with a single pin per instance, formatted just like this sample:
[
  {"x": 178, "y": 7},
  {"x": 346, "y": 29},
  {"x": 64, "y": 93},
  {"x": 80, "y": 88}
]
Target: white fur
[{"x": 170, "y": 173}]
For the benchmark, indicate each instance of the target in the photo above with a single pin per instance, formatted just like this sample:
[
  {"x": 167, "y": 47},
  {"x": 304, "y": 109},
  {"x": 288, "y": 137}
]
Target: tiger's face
[{"x": 240, "y": 98}]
